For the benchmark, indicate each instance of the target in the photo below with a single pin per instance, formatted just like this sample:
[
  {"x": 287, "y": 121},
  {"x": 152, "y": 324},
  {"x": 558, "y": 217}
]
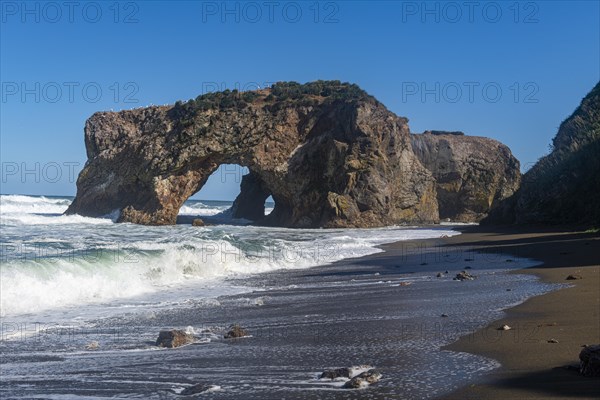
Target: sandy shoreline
[{"x": 533, "y": 368}]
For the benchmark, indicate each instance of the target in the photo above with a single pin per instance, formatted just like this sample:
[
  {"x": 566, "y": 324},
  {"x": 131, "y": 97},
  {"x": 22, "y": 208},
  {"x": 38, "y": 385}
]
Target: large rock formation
[
  {"x": 564, "y": 186},
  {"x": 328, "y": 153},
  {"x": 472, "y": 173}
]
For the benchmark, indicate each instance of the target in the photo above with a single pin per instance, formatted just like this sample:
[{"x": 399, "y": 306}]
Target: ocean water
[
  {"x": 53, "y": 264},
  {"x": 67, "y": 282}
]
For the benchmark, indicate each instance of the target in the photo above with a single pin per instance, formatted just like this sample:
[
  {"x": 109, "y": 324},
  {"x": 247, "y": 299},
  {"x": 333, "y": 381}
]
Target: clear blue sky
[{"x": 413, "y": 56}]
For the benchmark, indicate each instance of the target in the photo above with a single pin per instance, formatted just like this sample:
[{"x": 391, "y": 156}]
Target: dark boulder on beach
[
  {"x": 328, "y": 153},
  {"x": 564, "y": 186},
  {"x": 590, "y": 361},
  {"x": 473, "y": 174},
  {"x": 173, "y": 338},
  {"x": 235, "y": 331}
]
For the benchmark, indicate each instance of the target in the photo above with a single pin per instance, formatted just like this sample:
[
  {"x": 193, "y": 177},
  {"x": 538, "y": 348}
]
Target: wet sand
[{"x": 533, "y": 368}]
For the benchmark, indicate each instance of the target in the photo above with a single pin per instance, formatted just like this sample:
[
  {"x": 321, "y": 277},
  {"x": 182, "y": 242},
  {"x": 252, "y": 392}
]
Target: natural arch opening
[{"x": 231, "y": 192}]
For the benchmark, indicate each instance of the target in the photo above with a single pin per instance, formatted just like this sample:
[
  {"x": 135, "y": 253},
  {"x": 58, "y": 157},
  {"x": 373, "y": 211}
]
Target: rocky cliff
[
  {"x": 564, "y": 186},
  {"x": 472, "y": 173},
  {"x": 328, "y": 153}
]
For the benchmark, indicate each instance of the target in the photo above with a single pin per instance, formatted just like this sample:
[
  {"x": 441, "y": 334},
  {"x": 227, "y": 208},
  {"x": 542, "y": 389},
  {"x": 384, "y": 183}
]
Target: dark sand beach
[{"x": 533, "y": 368}]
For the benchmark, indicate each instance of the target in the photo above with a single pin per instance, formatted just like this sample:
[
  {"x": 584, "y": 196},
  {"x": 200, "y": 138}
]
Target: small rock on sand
[
  {"x": 444, "y": 315},
  {"x": 552, "y": 341},
  {"x": 195, "y": 389},
  {"x": 173, "y": 338},
  {"x": 464, "y": 276},
  {"x": 236, "y": 331},
  {"x": 505, "y": 328},
  {"x": 336, "y": 373},
  {"x": 573, "y": 277},
  {"x": 590, "y": 361},
  {"x": 361, "y": 380}
]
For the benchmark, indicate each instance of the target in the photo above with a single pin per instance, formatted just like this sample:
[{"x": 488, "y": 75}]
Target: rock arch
[{"x": 328, "y": 153}]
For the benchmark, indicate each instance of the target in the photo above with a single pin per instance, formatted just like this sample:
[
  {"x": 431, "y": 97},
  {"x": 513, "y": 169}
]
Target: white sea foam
[
  {"x": 12, "y": 204},
  {"x": 41, "y": 210},
  {"x": 199, "y": 209}
]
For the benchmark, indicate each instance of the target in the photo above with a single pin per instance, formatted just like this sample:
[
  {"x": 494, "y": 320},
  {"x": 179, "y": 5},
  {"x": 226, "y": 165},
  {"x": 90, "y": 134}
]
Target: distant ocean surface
[{"x": 65, "y": 267}]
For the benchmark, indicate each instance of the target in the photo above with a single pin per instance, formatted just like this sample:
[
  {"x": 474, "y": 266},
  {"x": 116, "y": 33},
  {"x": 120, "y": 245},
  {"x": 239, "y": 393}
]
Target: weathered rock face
[
  {"x": 328, "y": 153},
  {"x": 472, "y": 173},
  {"x": 564, "y": 186}
]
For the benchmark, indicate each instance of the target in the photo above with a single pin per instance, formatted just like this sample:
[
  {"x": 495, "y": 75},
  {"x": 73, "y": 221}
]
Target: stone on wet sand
[
  {"x": 363, "y": 380},
  {"x": 336, "y": 373},
  {"x": 505, "y": 328},
  {"x": 573, "y": 277},
  {"x": 198, "y": 388},
  {"x": 236, "y": 331},
  {"x": 173, "y": 338},
  {"x": 464, "y": 276},
  {"x": 590, "y": 361}
]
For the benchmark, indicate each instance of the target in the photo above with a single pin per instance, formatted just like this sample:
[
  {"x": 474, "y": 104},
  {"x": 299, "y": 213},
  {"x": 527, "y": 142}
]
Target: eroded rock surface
[
  {"x": 563, "y": 187},
  {"x": 472, "y": 173},
  {"x": 328, "y": 153}
]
